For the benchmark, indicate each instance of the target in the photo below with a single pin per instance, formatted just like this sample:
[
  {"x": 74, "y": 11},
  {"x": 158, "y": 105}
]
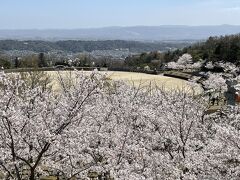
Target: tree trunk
[{"x": 32, "y": 174}]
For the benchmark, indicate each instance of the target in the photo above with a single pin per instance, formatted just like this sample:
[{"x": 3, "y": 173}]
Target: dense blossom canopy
[{"x": 113, "y": 129}]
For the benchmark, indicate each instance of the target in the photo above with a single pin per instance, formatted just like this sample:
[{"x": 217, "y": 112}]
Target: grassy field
[{"x": 136, "y": 79}]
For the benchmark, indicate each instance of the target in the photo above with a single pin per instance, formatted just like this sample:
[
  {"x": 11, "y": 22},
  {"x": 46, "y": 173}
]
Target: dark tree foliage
[
  {"x": 16, "y": 62},
  {"x": 152, "y": 59},
  {"x": 30, "y": 61},
  {"x": 5, "y": 63},
  {"x": 61, "y": 63},
  {"x": 223, "y": 48},
  {"x": 42, "y": 61}
]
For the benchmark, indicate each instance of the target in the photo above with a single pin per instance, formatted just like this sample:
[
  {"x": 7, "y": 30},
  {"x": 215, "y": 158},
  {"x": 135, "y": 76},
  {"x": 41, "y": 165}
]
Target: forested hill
[
  {"x": 80, "y": 46},
  {"x": 223, "y": 48}
]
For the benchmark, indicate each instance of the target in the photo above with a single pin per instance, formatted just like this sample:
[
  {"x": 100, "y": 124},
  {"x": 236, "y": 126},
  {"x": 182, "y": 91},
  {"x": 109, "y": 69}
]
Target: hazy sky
[{"x": 41, "y": 14}]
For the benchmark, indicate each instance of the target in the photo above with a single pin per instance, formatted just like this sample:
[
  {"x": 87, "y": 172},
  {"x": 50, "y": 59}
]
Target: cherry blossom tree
[
  {"x": 223, "y": 144},
  {"x": 209, "y": 65},
  {"x": 110, "y": 130},
  {"x": 215, "y": 82},
  {"x": 185, "y": 59},
  {"x": 185, "y": 62},
  {"x": 33, "y": 122}
]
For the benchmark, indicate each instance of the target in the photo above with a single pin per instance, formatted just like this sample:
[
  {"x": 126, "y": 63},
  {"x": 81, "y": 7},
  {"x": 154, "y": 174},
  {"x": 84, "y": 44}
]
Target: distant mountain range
[{"x": 137, "y": 33}]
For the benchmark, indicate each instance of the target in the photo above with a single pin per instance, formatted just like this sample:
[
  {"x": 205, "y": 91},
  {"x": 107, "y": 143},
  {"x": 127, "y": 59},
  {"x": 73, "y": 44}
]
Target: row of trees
[
  {"x": 50, "y": 60},
  {"x": 110, "y": 129}
]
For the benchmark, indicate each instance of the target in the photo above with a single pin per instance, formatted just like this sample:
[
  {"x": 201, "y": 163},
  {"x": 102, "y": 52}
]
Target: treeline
[
  {"x": 39, "y": 60},
  {"x": 81, "y": 46},
  {"x": 30, "y": 61},
  {"x": 223, "y": 48},
  {"x": 153, "y": 59}
]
